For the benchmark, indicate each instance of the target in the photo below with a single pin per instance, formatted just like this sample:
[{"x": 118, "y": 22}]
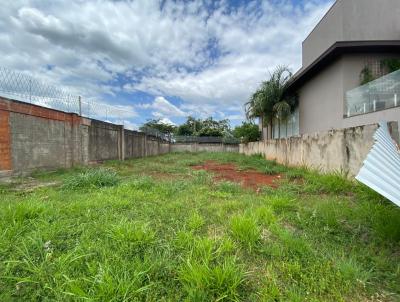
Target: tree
[
  {"x": 273, "y": 99},
  {"x": 211, "y": 127},
  {"x": 247, "y": 132},
  {"x": 157, "y": 124},
  {"x": 207, "y": 127},
  {"x": 190, "y": 127}
]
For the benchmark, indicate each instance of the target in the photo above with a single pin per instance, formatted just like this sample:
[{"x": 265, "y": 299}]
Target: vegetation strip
[{"x": 111, "y": 233}]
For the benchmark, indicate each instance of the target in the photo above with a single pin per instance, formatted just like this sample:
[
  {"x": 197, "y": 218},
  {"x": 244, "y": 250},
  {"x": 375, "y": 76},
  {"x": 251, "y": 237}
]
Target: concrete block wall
[
  {"x": 134, "y": 144},
  {"x": 196, "y": 147},
  {"x": 336, "y": 150},
  {"x": 104, "y": 141},
  {"x": 34, "y": 137},
  {"x": 39, "y": 142}
]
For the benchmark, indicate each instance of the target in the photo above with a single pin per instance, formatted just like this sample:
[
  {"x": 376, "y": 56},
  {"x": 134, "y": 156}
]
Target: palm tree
[{"x": 272, "y": 99}]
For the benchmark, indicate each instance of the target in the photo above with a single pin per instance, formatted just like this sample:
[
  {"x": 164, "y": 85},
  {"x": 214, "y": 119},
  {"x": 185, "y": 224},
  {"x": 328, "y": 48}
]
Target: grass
[
  {"x": 92, "y": 179},
  {"x": 154, "y": 229}
]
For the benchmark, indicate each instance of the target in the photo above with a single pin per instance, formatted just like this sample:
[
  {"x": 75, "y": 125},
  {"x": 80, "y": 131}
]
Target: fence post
[
  {"x": 122, "y": 143},
  {"x": 30, "y": 91},
  {"x": 145, "y": 145},
  {"x": 80, "y": 105}
]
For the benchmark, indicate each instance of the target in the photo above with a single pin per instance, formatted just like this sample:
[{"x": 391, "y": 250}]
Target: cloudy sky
[{"x": 157, "y": 59}]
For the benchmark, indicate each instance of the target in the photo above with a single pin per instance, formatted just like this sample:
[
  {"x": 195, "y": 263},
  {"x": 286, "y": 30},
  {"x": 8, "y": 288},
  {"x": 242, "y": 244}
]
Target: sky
[{"x": 157, "y": 59}]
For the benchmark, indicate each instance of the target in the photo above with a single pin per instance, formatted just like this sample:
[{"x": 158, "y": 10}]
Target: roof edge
[{"x": 337, "y": 49}]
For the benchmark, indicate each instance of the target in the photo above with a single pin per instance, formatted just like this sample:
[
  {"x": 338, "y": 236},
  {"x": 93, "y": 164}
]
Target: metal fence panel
[{"x": 381, "y": 169}]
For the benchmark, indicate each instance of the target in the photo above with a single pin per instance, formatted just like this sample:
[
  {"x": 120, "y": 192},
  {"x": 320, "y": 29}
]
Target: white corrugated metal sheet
[{"x": 381, "y": 169}]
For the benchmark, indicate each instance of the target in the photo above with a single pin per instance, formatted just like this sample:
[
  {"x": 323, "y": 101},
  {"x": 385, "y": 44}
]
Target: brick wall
[{"x": 5, "y": 141}]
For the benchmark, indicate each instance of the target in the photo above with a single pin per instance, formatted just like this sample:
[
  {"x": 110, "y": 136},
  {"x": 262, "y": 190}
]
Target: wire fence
[
  {"x": 25, "y": 88},
  {"x": 22, "y": 87}
]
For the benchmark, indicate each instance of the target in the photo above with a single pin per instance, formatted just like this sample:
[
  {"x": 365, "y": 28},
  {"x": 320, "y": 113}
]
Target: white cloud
[
  {"x": 166, "y": 121},
  {"x": 162, "y": 107},
  {"x": 88, "y": 46}
]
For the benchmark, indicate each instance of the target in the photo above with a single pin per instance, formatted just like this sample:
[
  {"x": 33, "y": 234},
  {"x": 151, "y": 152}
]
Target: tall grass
[
  {"x": 189, "y": 238},
  {"x": 245, "y": 230},
  {"x": 92, "y": 179},
  {"x": 207, "y": 282}
]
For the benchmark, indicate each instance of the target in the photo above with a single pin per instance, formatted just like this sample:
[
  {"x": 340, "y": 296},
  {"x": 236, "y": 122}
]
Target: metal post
[
  {"x": 395, "y": 100},
  {"x": 365, "y": 107},
  {"x": 374, "y": 105},
  {"x": 30, "y": 91},
  {"x": 80, "y": 105}
]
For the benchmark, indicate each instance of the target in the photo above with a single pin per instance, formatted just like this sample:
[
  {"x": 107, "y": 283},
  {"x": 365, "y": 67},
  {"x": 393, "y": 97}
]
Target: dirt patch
[{"x": 247, "y": 178}]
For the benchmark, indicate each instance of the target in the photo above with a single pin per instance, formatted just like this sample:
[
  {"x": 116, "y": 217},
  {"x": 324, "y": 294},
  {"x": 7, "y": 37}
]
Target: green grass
[
  {"x": 154, "y": 229},
  {"x": 92, "y": 179}
]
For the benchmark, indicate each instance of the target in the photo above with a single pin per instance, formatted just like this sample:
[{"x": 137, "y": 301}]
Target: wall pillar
[
  {"x": 145, "y": 145},
  {"x": 121, "y": 143},
  {"x": 5, "y": 141}
]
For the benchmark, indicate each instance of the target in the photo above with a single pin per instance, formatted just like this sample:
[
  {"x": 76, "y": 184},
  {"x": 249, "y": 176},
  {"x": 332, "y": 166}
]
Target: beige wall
[
  {"x": 353, "y": 20},
  {"x": 321, "y": 99},
  {"x": 336, "y": 150},
  {"x": 195, "y": 147},
  {"x": 328, "y": 31}
]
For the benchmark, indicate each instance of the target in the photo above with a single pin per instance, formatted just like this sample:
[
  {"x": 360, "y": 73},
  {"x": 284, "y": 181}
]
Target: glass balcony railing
[{"x": 380, "y": 94}]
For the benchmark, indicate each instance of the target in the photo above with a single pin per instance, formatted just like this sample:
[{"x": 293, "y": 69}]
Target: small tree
[
  {"x": 157, "y": 124},
  {"x": 190, "y": 127},
  {"x": 247, "y": 132},
  {"x": 273, "y": 99}
]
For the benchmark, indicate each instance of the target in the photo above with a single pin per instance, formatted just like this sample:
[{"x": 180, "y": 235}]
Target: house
[{"x": 352, "y": 44}]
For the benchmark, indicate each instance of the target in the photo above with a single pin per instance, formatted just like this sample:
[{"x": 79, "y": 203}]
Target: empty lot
[{"x": 196, "y": 227}]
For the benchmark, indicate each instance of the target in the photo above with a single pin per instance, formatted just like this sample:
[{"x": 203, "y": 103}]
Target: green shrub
[{"x": 92, "y": 179}]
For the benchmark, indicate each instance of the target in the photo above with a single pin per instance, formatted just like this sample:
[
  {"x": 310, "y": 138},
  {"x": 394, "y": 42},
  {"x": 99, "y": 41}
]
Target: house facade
[{"x": 353, "y": 43}]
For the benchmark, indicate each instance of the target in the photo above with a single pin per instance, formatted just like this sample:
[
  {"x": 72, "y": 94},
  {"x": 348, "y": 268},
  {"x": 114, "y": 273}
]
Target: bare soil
[{"x": 247, "y": 178}]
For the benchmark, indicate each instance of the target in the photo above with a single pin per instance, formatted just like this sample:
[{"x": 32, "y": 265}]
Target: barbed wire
[{"x": 22, "y": 87}]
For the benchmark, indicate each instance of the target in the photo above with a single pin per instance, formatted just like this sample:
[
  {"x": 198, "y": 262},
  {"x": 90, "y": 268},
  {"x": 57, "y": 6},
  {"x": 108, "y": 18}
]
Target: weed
[
  {"x": 245, "y": 230},
  {"x": 265, "y": 215},
  {"x": 92, "y": 179},
  {"x": 206, "y": 282},
  {"x": 195, "y": 222},
  {"x": 334, "y": 183}
]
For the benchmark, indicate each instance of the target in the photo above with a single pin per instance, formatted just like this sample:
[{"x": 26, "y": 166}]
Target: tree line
[
  {"x": 272, "y": 100},
  {"x": 247, "y": 131}
]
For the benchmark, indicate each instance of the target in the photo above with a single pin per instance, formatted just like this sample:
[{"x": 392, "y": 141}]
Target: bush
[
  {"x": 91, "y": 179},
  {"x": 247, "y": 132}
]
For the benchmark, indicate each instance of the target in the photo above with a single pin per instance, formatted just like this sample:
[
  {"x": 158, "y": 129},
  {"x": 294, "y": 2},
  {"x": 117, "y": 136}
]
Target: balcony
[{"x": 380, "y": 94}]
